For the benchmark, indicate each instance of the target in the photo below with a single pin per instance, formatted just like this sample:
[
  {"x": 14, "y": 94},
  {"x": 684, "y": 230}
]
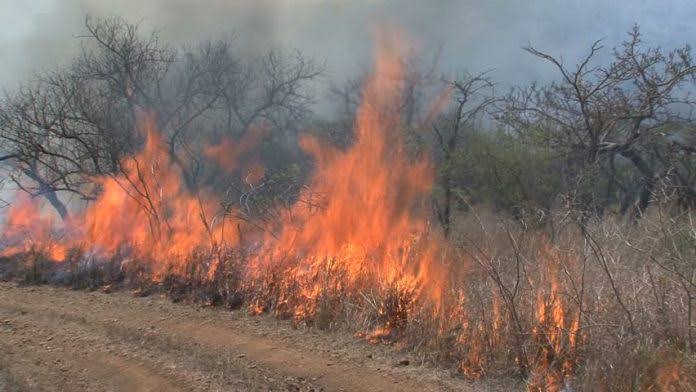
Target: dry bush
[
  {"x": 567, "y": 303},
  {"x": 295, "y": 291},
  {"x": 209, "y": 276},
  {"x": 584, "y": 304},
  {"x": 91, "y": 273},
  {"x": 34, "y": 266}
]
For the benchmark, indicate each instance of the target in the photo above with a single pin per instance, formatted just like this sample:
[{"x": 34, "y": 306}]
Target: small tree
[
  {"x": 622, "y": 122},
  {"x": 471, "y": 95}
]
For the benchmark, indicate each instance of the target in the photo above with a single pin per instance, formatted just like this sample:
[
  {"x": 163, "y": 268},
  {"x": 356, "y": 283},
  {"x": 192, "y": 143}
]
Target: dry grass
[{"x": 604, "y": 305}]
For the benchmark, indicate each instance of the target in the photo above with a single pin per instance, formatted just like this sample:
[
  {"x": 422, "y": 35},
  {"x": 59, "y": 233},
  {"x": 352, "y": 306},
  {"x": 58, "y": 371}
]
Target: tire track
[{"x": 57, "y": 339}]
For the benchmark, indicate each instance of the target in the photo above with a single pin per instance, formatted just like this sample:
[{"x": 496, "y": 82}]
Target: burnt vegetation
[{"x": 562, "y": 214}]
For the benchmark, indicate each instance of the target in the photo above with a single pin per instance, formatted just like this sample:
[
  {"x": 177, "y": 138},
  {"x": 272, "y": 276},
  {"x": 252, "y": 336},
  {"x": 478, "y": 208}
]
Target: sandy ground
[{"x": 55, "y": 339}]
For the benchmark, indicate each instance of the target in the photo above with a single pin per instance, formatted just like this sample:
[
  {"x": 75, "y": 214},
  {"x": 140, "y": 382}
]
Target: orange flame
[
  {"x": 556, "y": 332},
  {"x": 28, "y": 229},
  {"x": 146, "y": 208},
  {"x": 362, "y": 216}
]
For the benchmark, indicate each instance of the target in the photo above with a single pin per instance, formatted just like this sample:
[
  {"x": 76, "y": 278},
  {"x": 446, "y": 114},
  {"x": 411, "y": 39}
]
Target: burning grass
[{"x": 601, "y": 307}]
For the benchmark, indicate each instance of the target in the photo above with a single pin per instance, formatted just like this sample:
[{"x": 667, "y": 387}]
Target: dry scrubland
[
  {"x": 606, "y": 308},
  {"x": 580, "y": 276}
]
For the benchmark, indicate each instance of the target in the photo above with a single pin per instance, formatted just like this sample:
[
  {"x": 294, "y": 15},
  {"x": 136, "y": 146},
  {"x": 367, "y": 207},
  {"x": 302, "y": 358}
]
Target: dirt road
[{"x": 54, "y": 339}]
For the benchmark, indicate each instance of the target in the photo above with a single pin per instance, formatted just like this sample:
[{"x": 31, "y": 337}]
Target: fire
[
  {"x": 358, "y": 233},
  {"x": 29, "y": 229},
  {"x": 361, "y": 223},
  {"x": 143, "y": 212},
  {"x": 556, "y": 331},
  {"x": 362, "y": 219},
  {"x": 230, "y": 154}
]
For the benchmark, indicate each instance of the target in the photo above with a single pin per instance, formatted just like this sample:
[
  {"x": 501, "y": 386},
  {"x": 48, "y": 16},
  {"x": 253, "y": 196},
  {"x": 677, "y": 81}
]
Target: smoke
[{"x": 473, "y": 35}]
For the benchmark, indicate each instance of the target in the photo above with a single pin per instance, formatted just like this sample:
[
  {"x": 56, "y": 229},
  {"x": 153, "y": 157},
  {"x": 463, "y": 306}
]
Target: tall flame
[
  {"x": 359, "y": 227},
  {"x": 145, "y": 211},
  {"x": 362, "y": 215}
]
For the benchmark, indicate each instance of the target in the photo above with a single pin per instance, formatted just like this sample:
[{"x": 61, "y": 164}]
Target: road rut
[{"x": 55, "y": 339}]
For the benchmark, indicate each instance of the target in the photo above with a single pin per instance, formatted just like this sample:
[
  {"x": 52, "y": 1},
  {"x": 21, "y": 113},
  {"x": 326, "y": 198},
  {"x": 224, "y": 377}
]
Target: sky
[{"x": 473, "y": 35}]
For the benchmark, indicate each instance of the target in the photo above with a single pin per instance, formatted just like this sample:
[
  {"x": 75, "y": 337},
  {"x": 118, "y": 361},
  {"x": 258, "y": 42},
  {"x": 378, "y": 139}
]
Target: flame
[
  {"x": 358, "y": 232},
  {"x": 148, "y": 207},
  {"x": 145, "y": 210},
  {"x": 359, "y": 229},
  {"x": 361, "y": 222},
  {"x": 361, "y": 219},
  {"x": 29, "y": 229},
  {"x": 556, "y": 331},
  {"x": 229, "y": 154}
]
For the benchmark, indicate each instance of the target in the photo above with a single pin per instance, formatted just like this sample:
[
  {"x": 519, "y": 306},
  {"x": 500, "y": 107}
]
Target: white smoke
[{"x": 474, "y": 35}]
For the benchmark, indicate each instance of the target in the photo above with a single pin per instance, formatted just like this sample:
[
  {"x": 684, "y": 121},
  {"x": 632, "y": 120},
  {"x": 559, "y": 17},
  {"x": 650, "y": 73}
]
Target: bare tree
[
  {"x": 70, "y": 124},
  {"x": 608, "y": 118},
  {"x": 46, "y": 142},
  {"x": 472, "y": 94}
]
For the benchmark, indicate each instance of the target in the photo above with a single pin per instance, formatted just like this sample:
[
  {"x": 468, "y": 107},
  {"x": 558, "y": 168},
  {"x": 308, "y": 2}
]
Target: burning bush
[{"x": 496, "y": 298}]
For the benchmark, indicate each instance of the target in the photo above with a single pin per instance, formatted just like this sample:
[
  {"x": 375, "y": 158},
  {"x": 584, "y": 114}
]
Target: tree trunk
[
  {"x": 648, "y": 177},
  {"x": 47, "y": 191}
]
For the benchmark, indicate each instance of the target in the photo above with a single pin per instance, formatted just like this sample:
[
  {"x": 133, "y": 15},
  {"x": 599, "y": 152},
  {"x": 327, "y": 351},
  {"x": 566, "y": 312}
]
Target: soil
[{"x": 56, "y": 339}]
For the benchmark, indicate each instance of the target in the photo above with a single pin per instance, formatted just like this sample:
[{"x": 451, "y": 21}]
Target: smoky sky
[{"x": 472, "y": 35}]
